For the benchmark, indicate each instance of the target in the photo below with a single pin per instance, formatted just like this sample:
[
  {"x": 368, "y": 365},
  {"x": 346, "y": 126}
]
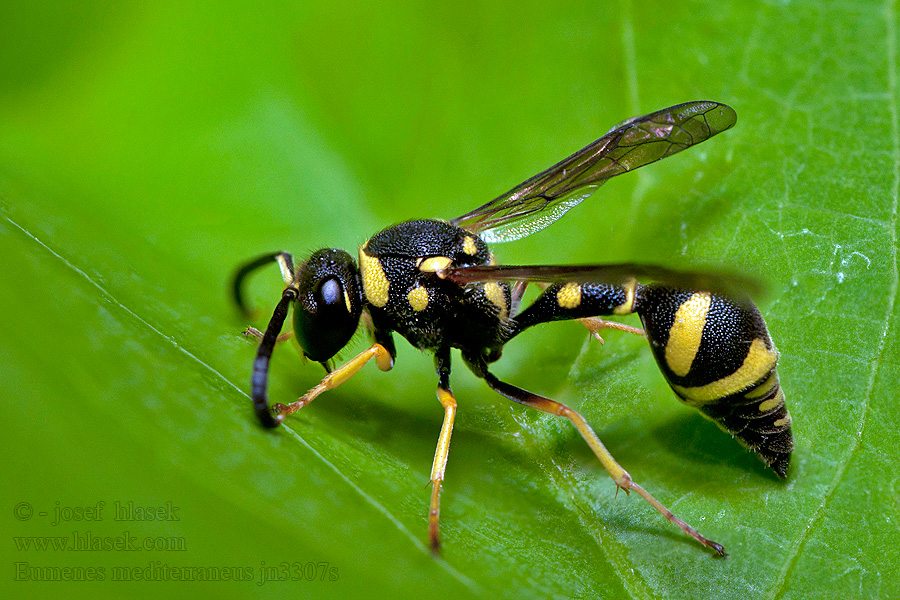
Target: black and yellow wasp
[{"x": 436, "y": 283}]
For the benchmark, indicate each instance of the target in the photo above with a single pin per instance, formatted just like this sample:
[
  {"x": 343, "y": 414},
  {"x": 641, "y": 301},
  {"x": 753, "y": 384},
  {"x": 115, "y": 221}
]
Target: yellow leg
[
  {"x": 439, "y": 466},
  {"x": 253, "y": 331},
  {"x": 619, "y": 475},
  {"x": 382, "y": 357},
  {"x": 596, "y": 324}
]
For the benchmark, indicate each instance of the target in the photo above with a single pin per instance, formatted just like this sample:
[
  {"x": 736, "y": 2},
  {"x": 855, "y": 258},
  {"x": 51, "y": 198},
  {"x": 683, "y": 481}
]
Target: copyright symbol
[{"x": 23, "y": 511}]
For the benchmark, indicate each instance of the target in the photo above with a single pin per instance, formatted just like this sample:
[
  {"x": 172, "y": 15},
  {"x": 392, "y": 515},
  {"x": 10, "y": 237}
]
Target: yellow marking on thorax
[
  {"x": 433, "y": 264},
  {"x": 627, "y": 307},
  {"x": 418, "y": 298},
  {"x": 569, "y": 295},
  {"x": 375, "y": 282},
  {"x": 494, "y": 293},
  {"x": 759, "y": 361},
  {"x": 469, "y": 246},
  {"x": 686, "y": 333}
]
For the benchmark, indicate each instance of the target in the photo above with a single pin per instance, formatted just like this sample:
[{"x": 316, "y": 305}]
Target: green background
[{"x": 145, "y": 150}]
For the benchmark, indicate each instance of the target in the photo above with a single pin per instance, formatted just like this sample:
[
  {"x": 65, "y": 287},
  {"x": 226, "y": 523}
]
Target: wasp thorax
[{"x": 328, "y": 306}]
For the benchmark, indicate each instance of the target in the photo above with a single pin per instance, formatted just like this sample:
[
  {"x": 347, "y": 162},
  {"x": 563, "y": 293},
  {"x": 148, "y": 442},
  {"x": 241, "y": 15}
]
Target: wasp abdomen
[
  {"x": 563, "y": 301},
  {"x": 759, "y": 419},
  {"x": 717, "y": 356}
]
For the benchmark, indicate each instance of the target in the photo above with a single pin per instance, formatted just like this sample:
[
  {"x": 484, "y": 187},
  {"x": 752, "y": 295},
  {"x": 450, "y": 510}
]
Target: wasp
[{"x": 436, "y": 283}]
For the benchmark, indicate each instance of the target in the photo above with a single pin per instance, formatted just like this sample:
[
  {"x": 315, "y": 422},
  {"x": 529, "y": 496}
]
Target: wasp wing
[
  {"x": 541, "y": 200},
  {"x": 733, "y": 285}
]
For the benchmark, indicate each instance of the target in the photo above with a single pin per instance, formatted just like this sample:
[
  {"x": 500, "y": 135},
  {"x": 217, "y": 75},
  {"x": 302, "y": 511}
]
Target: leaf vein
[{"x": 779, "y": 587}]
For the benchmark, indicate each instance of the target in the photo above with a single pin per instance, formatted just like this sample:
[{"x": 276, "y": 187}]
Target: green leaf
[{"x": 145, "y": 152}]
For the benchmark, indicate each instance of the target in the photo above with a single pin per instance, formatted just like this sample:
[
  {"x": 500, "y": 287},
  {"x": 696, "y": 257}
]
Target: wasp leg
[
  {"x": 254, "y": 332},
  {"x": 439, "y": 466},
  {"x": 595, "y": 325},
  {"x": 619, "y": 475},
  {"x": 383, "y": 358},
  {"x": 442, "y": 451},
  {"x": 285, "y": 262},
  {"x": 518, "y": 292}
]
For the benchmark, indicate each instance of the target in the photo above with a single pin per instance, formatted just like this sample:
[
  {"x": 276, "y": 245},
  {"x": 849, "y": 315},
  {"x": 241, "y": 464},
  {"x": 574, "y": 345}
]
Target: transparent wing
[
  {"x": 733, "y": 285},
  {"x": 541, "y": 200}
]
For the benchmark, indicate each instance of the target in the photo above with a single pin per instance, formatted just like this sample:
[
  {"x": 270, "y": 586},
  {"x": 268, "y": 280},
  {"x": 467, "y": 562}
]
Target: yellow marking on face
[
  {"x": 433, "y": 264},
  {"x": 347, "y": 302},
  {"x": 686, "y": 333},
  {"x": 569, "y": 295},
  {"x": 469, "y": 246},
  {"x": 494, "y": 293},
  {"x": 375, "y": 282},
  {"x": 627, "y": 307},
  {"x": 418, "y": 298},
  {"x": 764, "y": 388},
  {"x": 759, "y": 361},
  {"x": 773, "y": 402},
  {"x": 784, "y": 421}
]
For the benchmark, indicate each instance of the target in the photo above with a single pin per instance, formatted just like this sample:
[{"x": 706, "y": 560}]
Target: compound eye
[{"x": 330, "y": 292}]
